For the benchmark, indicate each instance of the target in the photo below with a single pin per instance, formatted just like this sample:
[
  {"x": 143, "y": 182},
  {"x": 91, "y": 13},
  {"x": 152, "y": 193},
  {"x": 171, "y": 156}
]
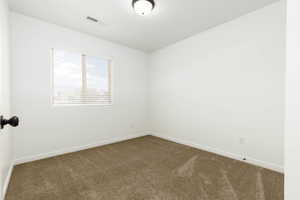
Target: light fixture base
[
  {"x": 143, "y": 7},
  {"x": 151, "y": 1}
]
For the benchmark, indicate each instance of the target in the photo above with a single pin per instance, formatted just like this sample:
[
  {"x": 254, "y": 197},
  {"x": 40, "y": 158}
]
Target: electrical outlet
[
  {"x": 242, "y": 140},
  {"x": 132, "y": 126}
]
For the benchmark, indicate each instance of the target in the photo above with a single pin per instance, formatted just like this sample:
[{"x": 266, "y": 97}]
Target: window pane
[
  {"x": 67, "y": 75},
  {"x": 80, "y": 79},
  {"x": 97, "y": 71}
]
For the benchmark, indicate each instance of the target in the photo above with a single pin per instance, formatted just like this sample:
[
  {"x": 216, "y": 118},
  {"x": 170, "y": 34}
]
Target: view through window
[{"x": 80, "y": 79}]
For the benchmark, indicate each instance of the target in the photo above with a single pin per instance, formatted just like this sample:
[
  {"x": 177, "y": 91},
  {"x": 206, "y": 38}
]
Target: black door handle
[{"x": 14, "y": 121}]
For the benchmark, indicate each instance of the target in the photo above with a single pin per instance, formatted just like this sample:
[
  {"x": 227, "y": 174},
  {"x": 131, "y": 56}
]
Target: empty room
[{"x": 149, "y": 100}]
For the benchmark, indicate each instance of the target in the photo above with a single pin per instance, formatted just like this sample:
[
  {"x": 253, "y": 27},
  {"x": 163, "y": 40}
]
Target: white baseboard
[
  {"x": 248, "y": 160},
  {"x": 6, "y": 182},
  {"x": 77, "y": 148}
]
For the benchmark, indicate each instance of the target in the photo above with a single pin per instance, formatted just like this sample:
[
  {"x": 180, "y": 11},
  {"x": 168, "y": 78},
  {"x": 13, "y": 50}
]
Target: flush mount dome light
[{"x": 143, "y": 7}]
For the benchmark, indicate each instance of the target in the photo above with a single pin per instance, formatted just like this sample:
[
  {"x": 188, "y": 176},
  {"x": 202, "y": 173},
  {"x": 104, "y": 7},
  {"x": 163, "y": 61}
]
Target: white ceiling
[{"x": 171, "y": 21}]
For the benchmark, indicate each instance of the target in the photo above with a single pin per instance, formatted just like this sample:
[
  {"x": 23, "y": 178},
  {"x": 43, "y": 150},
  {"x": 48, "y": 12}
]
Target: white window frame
[{"x": 111, "y": 82}]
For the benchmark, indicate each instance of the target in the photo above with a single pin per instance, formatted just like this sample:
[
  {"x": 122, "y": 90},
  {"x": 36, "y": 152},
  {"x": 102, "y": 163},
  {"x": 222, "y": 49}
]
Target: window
[{"x": 79, "y": 79}]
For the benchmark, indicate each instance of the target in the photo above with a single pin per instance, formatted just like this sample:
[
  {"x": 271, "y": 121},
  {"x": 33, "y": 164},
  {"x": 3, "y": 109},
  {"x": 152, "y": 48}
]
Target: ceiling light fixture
[{"x": 143, "y": 7}]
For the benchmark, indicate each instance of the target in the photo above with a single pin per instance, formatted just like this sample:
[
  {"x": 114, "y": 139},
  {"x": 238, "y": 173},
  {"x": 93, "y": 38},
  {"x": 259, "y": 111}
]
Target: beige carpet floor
[{"x": 146, "y": 168}]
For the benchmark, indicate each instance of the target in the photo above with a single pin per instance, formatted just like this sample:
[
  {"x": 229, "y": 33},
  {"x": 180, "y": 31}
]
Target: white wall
[
  {"x": 221, "y": 90},
  {"x": 292, "y": 134},
  {"x": 44, "y": 128},
  {"x": 6, "y": 155},
  {"x": 224, "y": 87}
]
